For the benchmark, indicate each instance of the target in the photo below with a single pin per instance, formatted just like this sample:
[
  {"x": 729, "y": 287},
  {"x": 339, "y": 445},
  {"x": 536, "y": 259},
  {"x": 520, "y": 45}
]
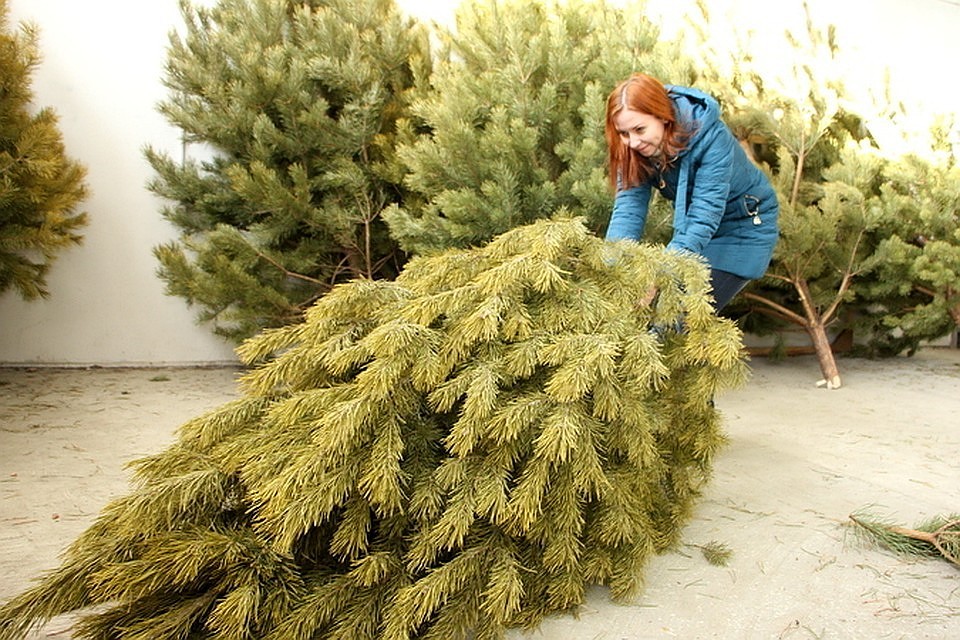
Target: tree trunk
[
  {"x": 828, "y": 364},
  {"x": 817, "y": 329}
]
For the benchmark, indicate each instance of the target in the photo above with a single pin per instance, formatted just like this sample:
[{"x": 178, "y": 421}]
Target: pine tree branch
[
  {"x": 798, "y": 174},
  {"x": 939, "y": 536},
  {"x": 287, "y": 272},
  {"x": 848, "y": 275},
  {"x": 955, "y": 314},
  {"x": 780, "y": 310},
  {"x": 934, "y": 538},
  {"x": 826, "y": 316},
  {"x": 365, "y": 204}
]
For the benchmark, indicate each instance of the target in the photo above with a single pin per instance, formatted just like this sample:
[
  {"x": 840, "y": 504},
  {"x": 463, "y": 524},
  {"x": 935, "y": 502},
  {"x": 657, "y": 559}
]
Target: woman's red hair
[{"x": 645, "y": 94}]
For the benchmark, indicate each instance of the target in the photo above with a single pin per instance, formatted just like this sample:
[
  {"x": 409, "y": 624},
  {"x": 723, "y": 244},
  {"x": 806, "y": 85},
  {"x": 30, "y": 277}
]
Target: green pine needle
[
  {"x": 716, "y": 553},
  {"x": 936, "y": 537},
  {"x": 388, "y": 478}
]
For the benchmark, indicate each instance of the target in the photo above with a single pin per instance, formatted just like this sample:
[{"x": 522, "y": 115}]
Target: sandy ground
[{"x": 800, "y": 459}]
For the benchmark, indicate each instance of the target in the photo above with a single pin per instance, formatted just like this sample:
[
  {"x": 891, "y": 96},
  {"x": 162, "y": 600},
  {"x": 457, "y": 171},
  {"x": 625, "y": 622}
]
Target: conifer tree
[
  {"x": 914, "y": 290},
  {"x": 40, "y": 187},
  {"x": 300, "y": 105},
  {"x": 446, "y": 455},
  {"x": 515, "y": 117},
  {"x": 825, "y": 247}
]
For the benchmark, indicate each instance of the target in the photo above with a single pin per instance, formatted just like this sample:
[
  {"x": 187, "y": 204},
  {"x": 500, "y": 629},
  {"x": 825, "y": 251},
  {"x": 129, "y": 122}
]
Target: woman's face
[{"x": 640, "y": 131}]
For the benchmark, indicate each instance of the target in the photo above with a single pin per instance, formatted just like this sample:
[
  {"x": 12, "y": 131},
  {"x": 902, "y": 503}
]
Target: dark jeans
[{"x": 725, "y": 285}]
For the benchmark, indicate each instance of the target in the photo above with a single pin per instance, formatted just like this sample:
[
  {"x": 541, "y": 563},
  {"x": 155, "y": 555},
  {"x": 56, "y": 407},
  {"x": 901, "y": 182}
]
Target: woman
[{"x": 672, "y": 138}]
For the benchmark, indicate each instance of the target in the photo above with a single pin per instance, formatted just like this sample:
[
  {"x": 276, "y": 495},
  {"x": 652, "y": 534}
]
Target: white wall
[
  {"x": 103, "y": 60},
  {"x": 101, "y": 69}
]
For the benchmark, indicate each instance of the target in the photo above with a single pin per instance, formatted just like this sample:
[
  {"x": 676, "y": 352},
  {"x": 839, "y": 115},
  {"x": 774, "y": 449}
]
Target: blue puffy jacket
[{"x": 724, "y": 207}]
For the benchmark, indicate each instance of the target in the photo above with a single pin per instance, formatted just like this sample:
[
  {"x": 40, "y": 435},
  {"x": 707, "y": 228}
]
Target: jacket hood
[
  {"x": 694, "y": 107},
  {"x": 700, "y": 112}
]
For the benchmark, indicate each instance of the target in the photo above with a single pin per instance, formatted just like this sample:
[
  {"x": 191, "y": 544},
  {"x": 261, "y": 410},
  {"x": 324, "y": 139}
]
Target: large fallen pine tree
[{"x": 448, "y": 455}]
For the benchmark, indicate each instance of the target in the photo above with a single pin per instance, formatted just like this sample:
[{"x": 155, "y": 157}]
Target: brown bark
[
  {"x": 816, "y": 327},
  {"x": 935, "y": 538},
  {"x": 828, "y": 363}
]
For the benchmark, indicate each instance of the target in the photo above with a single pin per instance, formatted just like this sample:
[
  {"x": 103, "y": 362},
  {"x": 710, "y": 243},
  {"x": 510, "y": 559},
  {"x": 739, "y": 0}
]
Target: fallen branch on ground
[{"x": 939, "y": 536}]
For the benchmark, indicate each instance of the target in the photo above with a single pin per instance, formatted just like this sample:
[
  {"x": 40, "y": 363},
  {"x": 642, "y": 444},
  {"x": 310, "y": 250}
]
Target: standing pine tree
[
  {"x": 300, "y": 105},
  {"x": 826, "y": 246},
  {"x": 915, "y": 289},
  {"x": 40, "y": 187},
  {"x": 461, "y": 450},
  {"x": 515, "y": 117}
]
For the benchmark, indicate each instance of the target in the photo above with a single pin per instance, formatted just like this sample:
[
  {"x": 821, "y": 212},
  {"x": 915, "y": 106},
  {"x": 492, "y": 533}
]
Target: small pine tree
[
  {"x": 825, "y": 246},
  {"x": 915, "y": 288},
  {"x": 301, "y": 105},
  {"x": 515, "y": 115},
  {"x": 40, "y": 187},
  {"x": 444, "y": 456}
]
